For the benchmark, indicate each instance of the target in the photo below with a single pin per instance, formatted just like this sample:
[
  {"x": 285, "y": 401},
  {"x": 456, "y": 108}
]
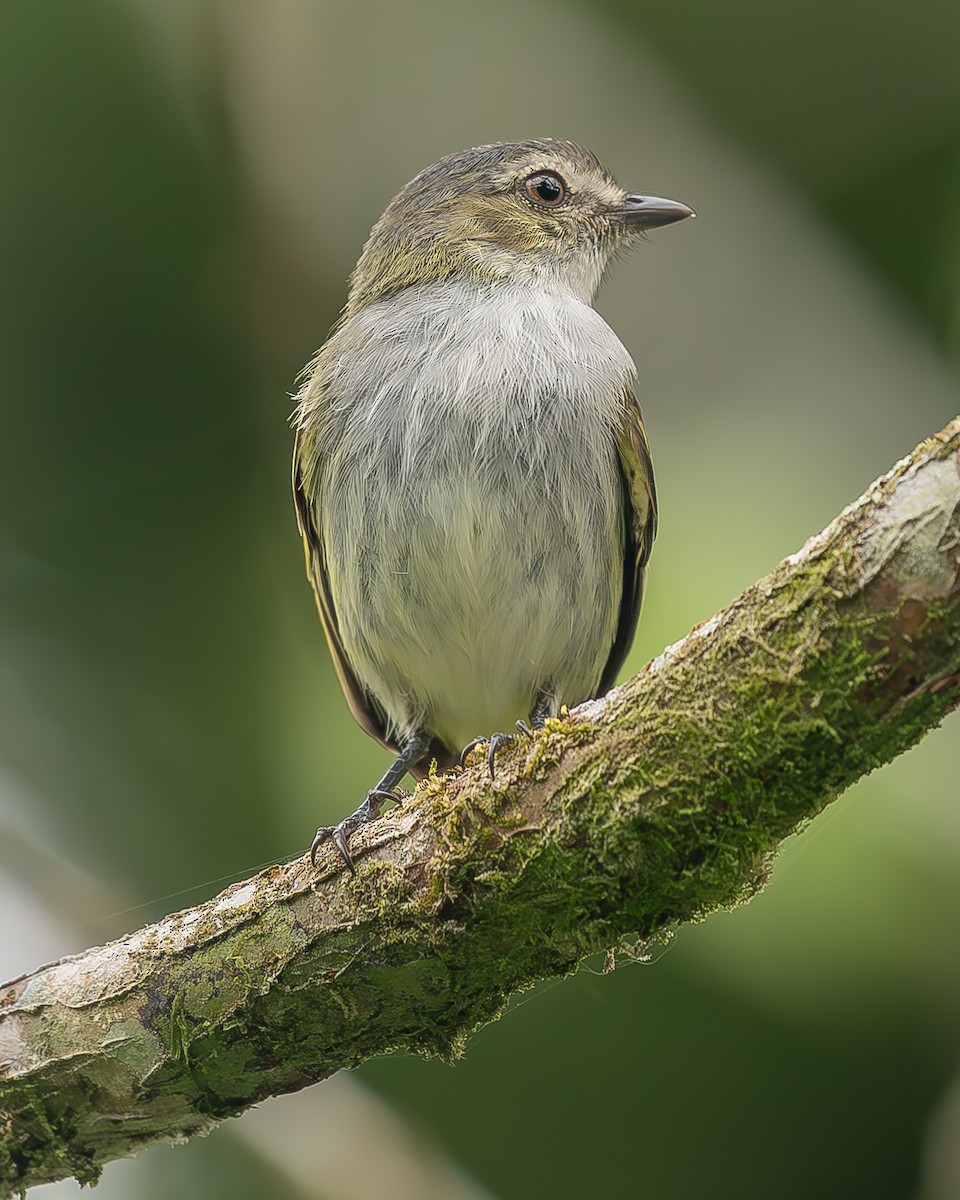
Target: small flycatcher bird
[{"x": 472, "y": 477}]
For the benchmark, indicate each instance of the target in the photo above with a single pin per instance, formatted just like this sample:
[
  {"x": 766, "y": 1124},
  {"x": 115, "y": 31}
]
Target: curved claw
[
  {"x": 395, "y": 795},
  {"x": 471, "y": 745},
  {"x": 497, "y": 742},
  {"x": 323, "y": 834},
  {"x": 341, "y": 834},
  {"x": 341, "y": 840}
]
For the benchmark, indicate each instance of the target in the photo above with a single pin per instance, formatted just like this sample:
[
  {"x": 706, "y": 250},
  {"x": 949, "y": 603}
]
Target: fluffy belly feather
[{"x": 474, "y": 582}]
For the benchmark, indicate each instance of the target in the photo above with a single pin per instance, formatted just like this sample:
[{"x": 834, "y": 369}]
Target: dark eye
[{"x": 545, "y": 187}]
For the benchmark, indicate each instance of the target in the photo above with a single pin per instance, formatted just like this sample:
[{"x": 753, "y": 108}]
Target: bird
[{"x": 471, "y": 473}]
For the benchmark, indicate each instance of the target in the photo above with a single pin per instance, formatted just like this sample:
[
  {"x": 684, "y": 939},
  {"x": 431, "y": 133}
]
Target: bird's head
[{"x": 541, "y": 213}]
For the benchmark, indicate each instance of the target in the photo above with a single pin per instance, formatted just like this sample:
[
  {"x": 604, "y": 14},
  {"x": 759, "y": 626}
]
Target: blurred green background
[{"x": 185, "y": 185}]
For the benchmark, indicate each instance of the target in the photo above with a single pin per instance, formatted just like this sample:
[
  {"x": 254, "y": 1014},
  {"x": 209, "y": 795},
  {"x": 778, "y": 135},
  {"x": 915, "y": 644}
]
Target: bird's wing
[
  {"x": 367, "y": 712},
  {"x": 640, "y": 528}
]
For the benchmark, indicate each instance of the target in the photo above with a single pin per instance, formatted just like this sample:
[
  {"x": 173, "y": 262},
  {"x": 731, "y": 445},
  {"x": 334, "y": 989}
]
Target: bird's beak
[{"x": 649, "y": 212}]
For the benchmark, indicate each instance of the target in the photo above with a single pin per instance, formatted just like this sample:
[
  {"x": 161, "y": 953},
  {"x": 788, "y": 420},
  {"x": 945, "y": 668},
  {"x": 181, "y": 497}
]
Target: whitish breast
[{"x": 470, "y": 502}]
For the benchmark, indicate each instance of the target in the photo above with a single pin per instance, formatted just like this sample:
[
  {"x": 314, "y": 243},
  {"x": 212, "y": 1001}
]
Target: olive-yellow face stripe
[{"x": 480, "y": 214}]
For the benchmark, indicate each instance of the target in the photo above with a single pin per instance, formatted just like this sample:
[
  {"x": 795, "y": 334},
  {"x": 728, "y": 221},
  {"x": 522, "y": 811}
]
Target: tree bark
[{"x": 654, "y": 805}]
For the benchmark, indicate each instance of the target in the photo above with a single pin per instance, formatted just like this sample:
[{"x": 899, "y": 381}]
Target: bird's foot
[
  {"x": 341, "y": 834},
  {"x": 411, "y": 752},
  {"x": 497, "y": 741}
]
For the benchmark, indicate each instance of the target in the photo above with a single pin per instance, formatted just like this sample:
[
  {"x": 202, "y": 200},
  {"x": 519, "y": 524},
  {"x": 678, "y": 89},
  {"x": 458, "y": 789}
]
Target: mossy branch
[{"x": 660, "y": 802}]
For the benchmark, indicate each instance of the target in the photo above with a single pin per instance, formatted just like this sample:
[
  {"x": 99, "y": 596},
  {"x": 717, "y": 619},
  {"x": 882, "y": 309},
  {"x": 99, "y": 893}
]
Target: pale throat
[{"x": 576, "y": 274}]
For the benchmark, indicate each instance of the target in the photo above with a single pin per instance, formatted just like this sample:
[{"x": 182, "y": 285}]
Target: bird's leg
[
  {"x": 386, "y": 789},
  {"x": 538, "y": 718}
]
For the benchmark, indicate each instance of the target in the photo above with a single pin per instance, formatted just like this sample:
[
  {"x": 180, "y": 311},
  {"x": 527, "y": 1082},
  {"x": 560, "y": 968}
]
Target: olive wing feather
[
  {"x": 364, "y": 708},
  {"x": 640, "y": 528}
]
